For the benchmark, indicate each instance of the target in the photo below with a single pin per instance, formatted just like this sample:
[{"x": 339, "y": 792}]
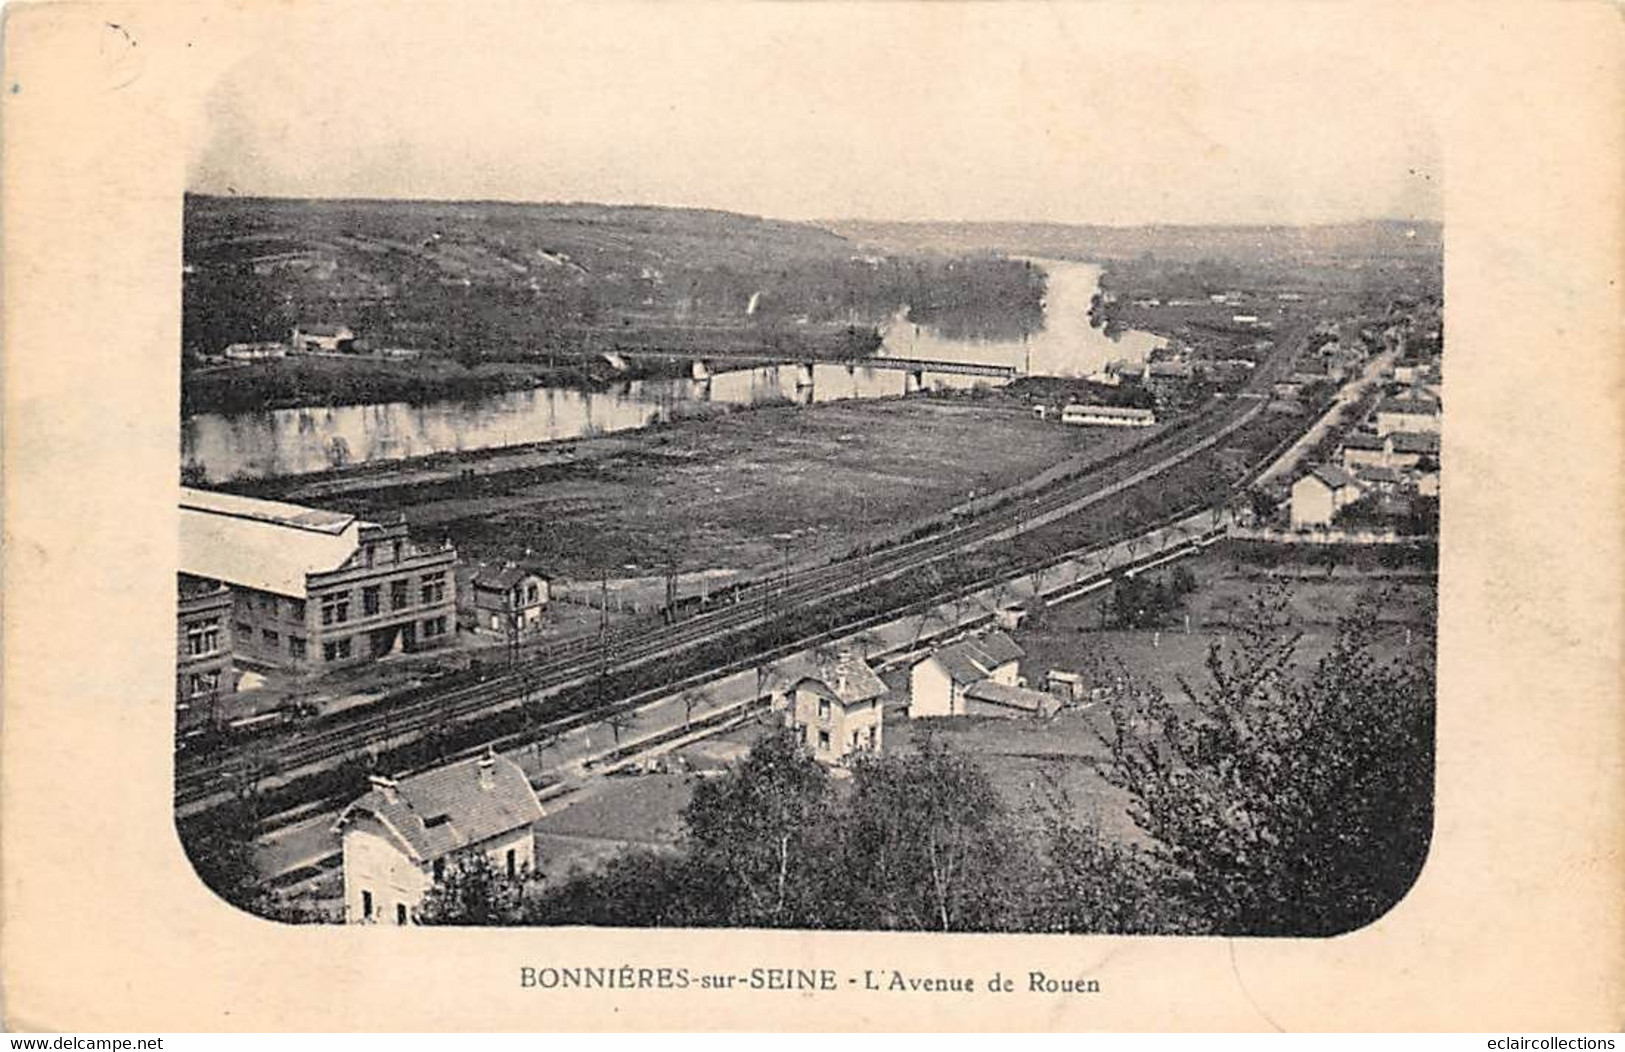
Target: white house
[
  {"x": 834, "y": 704},
  {"x": 1407, "y": 414},
  {"x": 398, "y": 838},
  {"x": 1107, "y": 416},
  {"x": 1317, "y": 496},
  {"x": 937, "y": 684}
]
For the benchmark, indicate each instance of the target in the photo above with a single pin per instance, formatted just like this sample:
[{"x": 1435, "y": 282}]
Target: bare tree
[
  {"x": 620, "y": 720},
  {"x": 690, "y": 699}
]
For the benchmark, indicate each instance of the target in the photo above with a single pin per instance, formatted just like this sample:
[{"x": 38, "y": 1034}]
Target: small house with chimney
[
  {"x": 502, "y": 601},
  {"x": 834, "y": 705},
  {"x": 399, "y": 837}
]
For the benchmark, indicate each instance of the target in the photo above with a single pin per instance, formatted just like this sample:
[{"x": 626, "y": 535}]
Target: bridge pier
[
  {"x": 804, "y": 376},
  {"x": 913, "y": 381},
  {"x": 700, "y": 369}
]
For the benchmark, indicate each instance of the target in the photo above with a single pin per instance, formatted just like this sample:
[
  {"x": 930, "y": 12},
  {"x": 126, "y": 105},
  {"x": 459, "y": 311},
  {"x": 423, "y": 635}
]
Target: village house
[
  {"x": 1399, "y": 450},
  {"x": 1407, "y": 414},
  {"x": 399, "y": 837},
  {"x": 834, "y": 703},
  {"x": 502, "y": 601},
  {"x": 937, "y": 684},
  {"x": 1317, "y": 496},
  {"x": 323, "y": 339},
  {"x": 314, "y": 590},
  {"x": 1375, "y": 478},
  {"x": 1107, "y": 416},
  {"x": 203, "y": 668}
]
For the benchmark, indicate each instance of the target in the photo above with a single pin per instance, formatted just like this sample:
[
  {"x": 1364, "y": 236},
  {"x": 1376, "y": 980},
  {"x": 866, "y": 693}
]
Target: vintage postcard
[{"x": 1046, "y": 516}]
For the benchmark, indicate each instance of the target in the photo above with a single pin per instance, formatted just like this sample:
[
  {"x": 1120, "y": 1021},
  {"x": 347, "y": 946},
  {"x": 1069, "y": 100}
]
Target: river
[{"x": 301, "y": 441}]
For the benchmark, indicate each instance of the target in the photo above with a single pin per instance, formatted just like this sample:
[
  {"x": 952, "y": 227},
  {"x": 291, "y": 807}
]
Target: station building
[{"x": 314, "y": 590}]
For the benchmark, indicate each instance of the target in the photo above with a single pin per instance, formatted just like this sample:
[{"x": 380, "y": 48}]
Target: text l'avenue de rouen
[{"x": 798, "y": 980}]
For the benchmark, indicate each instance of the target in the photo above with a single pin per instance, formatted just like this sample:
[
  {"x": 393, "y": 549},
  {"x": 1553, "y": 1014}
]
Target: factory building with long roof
[{"x": 315, "y": 589}]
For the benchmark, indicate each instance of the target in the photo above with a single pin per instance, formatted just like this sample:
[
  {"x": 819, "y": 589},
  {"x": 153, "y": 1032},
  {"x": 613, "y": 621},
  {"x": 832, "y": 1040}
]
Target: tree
[
  {"x": 220, "y": 845},
  {"x": 927, "y": 845},
  {"x": 638, "y": 889},
  {"x": 470, "y": 890},
  {"x": 1283, "y": 805},
  {"x": 761, "y": 831},
  {"x": 690, "y": 699},
  {"x": 1262, "y": 505},
  {"x": 620, "y": 720},
  {"x": 1086, "y": 883}
]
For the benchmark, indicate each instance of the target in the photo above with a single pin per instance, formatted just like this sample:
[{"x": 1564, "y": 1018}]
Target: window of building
[
  {"x": 823, "y": 739},
  {"x": 202, "y": 683},
  {"x": 244, "y": 631},
  {"x": 203, "y": 637},
  {"x": 336, "y": 608},
  {"x": 533, "y": 594},
  {"x": 296, "y": 647},
  {"x": 400, "y": 913},
  {"x": 439, "y": 869},
  {"x": 433, "y": 588},
  {"x": 398, "y": 549},
  {"x": 271, "y": 639},
  {"x": 296, "y": 610},
  {"x": 397, "y": 594},
  {"x": 823, "y": 708},
  {"x": 335, "y": 650},
  {"x": 366, "y": 904},
  {"x": 370, "y": 600},
  {"x": 434, "y": 626},
  {"x": 513, "y": 863},
  {"x": 367, "y": 555},
  {"x": 344, "y": 648}
]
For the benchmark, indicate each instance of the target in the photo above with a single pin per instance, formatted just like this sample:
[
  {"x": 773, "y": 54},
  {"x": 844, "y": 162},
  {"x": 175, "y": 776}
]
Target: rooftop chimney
[
  {"x": 488, "y": 769},
  {"x": 386, "y": 786}
]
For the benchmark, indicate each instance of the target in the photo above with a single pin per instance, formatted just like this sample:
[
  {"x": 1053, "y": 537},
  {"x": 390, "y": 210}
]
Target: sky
[{"x": 1087, "y": 113}]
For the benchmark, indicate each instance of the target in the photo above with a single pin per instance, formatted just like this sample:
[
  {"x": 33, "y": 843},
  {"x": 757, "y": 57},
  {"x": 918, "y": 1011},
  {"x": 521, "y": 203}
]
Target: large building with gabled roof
[{"x": 314, "y": 589}]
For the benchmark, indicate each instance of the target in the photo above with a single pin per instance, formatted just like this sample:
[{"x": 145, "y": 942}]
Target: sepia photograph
[
  {"x": 565, "y": 542},
  {"x": 873, "y": 517}
]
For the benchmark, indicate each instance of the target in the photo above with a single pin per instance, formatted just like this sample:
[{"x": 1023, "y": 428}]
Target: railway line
[{"x": 406, "y": 715}]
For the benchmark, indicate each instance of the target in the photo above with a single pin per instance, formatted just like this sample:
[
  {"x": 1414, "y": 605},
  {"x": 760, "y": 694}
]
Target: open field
[{"x": 717, "y": 492}]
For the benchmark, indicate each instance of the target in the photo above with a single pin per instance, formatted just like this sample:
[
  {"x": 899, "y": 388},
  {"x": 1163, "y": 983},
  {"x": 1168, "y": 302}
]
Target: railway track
[{"x": 407, "y": 714}]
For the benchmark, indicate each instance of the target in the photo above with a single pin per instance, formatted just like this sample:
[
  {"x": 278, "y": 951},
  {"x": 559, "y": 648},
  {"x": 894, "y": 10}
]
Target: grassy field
[{"x": 741, "y": 490}]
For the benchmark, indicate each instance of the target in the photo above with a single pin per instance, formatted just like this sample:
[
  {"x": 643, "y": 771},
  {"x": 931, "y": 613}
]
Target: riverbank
[
  {"x": 597, "y": 358},
  {"x": 741, "y": 490}
]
